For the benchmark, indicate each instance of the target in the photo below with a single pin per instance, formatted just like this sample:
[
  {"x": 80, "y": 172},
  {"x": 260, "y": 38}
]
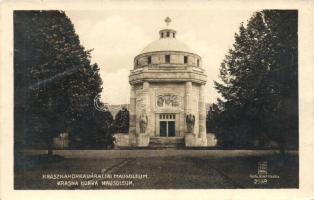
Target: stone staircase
[{"x": 166, "y": 142}]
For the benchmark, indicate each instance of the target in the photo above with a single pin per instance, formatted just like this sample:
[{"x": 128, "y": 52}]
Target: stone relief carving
[
  {"x": 140, "y": 102},
  {"x": 190, "y": 121},
  {"x": 168, "y": 100},
  {"x": 143, "y": 123}
]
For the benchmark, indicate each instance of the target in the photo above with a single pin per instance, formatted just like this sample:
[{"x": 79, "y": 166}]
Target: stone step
[{"x": 169, "y": 142}]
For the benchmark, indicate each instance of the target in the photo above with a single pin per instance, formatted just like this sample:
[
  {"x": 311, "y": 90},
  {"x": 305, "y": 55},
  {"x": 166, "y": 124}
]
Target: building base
[
  {"x": 192, "y": 140},
  {"x": 211, "y": 139},
  {"x": 144, "y": 140},
  {"x": 122, "y": 140}
]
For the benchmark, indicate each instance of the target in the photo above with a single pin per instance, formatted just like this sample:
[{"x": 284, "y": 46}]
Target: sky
[{"x": 117, "y": 36}]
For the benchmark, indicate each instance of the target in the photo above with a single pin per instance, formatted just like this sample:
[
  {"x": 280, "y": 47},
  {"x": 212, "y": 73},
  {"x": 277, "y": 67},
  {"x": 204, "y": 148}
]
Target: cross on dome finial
[
  {"x": 167, "y": 32},
  {"x": 168, "y": 20}
]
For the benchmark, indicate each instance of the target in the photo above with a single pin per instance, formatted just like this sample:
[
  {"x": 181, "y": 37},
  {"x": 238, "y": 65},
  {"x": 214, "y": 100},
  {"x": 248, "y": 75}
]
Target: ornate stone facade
[{"x": 167, "y": 86}]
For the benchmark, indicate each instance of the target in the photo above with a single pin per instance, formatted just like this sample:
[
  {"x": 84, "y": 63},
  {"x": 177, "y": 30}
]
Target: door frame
[{"x": 167, "y": 117}]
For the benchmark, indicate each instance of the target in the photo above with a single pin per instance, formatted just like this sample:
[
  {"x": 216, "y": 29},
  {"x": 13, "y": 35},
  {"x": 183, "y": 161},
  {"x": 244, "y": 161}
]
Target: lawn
[{"x": 160, "y": 169}]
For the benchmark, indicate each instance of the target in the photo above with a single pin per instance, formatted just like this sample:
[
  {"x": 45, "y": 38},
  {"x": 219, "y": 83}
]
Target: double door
[{"x": 167, "y": 125}]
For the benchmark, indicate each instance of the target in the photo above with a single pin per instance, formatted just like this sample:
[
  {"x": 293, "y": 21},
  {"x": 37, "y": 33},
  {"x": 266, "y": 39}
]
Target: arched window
[
  {"x": 149, "y": 60},
  {"x": 198, "y": 62}
]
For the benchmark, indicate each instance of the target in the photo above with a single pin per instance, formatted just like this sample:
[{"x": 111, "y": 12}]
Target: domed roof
[
  {"x": 166, "y": 44},
  {"x": 167, "y": 41}
]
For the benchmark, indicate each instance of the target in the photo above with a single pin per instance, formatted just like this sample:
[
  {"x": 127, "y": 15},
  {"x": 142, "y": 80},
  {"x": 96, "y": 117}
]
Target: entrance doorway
[{"x": 167, "y": 125}]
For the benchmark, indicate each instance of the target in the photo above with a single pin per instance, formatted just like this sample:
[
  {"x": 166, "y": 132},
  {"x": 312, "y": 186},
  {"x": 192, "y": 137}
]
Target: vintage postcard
[{"x": 157, "y": 99}]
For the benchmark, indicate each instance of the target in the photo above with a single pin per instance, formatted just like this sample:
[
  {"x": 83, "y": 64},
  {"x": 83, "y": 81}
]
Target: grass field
[{"x": 160, "y": 169}]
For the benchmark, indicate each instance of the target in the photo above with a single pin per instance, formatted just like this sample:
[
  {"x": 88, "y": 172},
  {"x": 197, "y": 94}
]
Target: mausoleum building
[{"x": 167, "y": 102}]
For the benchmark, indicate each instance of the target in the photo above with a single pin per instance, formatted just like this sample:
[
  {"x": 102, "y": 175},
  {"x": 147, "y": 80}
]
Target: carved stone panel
[
  {"x": 140, "y": 103},
  {"x": 168, "y": 100}
]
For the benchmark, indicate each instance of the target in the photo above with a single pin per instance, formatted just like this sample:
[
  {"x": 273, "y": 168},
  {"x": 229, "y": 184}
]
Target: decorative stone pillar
[
  {"x": 188, "y": 137},
  {"x": 132, "y": 110},
  {"x": 142, "y": 139},
  {"x": 202, "y": 114},
  {"x": 197, "y": 139},
  {"x": 147, "y": 104},
  {"x": 188, "y": 100},
  {"x": 146, "y": 99},
  {"x": 132, "y": 119}
]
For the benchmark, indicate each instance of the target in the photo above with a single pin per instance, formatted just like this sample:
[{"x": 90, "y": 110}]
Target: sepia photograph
[
  {"x": 151, "y": 100},
  {"x": 165, "y": 96}
]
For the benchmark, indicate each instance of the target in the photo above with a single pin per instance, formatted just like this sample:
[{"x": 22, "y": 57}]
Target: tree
[
  {"x": 259, "y": 82},
  {"x": 54, "y": 81},
  {"x": 212, "y": 119},
  {"x": 95, "y": 133},
  {"x": 122, "y": 121}
]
